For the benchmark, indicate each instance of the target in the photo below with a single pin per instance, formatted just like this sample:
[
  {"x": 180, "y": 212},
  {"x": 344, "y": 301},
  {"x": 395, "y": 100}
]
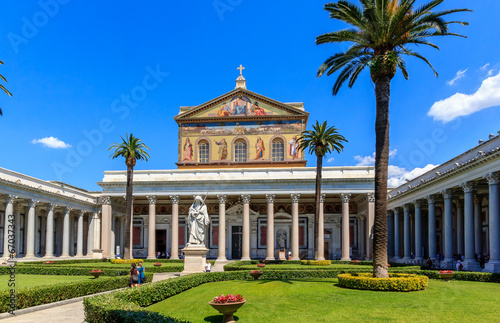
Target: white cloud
[
  {"x": 51, "y": 142},
  {"x": 331, "y": 159},
  {"x": 458, "y": 76},
  {"x": 484, "y": 67},
  {"x": 399, "y": 175},
  {"x": 490, "y": 72},
  {"x": 461, "y": 104},
  {"x": 370, "y": 160}
]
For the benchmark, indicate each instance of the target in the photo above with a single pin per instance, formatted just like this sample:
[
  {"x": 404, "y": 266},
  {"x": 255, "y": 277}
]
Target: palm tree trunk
[
  {"x": 127, "y": 253},
  {"x": 319, "y": 169},
  {"x": 383, "y": 94}
]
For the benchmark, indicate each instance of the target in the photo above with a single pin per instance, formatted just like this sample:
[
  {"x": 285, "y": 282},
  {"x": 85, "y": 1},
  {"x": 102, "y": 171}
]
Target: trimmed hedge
[
  {"x": 28, "y": 297},
  {"x": 316, "y": 262},
  {"x": 55, "y": 269},
  {"x": 395, "y": 282}
]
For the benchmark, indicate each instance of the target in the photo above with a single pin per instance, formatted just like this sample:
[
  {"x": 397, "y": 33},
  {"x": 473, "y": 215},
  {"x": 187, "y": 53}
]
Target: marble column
[
  {"x": 113, "y": 236},
  {"x": 49, "y": 237},
  {"x": 321, "y": 228},
  {"x": 361, "y": 236},
  {"x": 396, "y": 234},
  {"x": 369, "y": 225},
  {"x": 345, "y": 226},
  {"x": 270, "y": 227},
  {"x": 493, "y": 264},
  {"x": 152, "y": 227},
  {"x": 295, "y": 226},
  {"x": 106, "y": 215},
  {"x": 97, "y": 230},
  {"x": 418, "y": 229},
  {"x": 174, "y": 249},
  {"x": 460, "y": 226},
  {"x": 245, "y": 254},
  {"x": 406, "y": 233},
  {"x": 90, "y": 234},
  {"x": 448, "y": 225},
  {"x": 468, "y": 189},
  {"x": 65, "y": 247},
  {"x": 17, "y": 214},
  {"x": 8, "y": 217},
  {"x": 30, "y": 233},
  {"x": 390, "y": 234},
  {"x": 79, "y": 236},
  {"x": 478, "y": 225},
  {"x": 432, "y": 225},
  {"x": 222, "y": 227}
]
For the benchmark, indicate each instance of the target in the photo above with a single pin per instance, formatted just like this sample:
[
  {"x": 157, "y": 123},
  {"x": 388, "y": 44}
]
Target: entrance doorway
[
  {"x": 236, "y": 241},
  {"x": 161, "y": 241},
  {"x": 327, "y": 239}
]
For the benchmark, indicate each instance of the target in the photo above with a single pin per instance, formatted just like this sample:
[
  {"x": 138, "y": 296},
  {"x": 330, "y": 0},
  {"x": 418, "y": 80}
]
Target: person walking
[
  {"x": 208, "y": 266},
  {"x": 141, "y": 270},
  {"x": 134, "y": 276}
]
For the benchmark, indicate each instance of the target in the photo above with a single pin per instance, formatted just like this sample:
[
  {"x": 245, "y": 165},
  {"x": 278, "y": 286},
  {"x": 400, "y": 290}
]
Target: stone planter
[
  {"x": 227, "y": 310},
  {"x": 446, "y": 276},
  {"x": 96, "y": 274},
  {"x": 256, "y": 275},
  {"x": 157, "y": 264}
]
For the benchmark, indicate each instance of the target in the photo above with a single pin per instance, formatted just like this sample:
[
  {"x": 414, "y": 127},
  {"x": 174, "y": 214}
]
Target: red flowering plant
[
  {"x": 96, "y": 271},
  {"x": 355, "y": 260},
  {"x": 261, "y": 265},
  {"x": 446, "y": 272},
  {"x": 48, "y": 262},
  {"x": 256, "y": 272},
  {"x": 157, "y": 264},
  {"x": 228, "y": 299}
]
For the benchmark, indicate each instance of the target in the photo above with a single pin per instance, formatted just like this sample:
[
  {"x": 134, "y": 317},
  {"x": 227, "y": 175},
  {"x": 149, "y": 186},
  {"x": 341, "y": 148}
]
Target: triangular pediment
[{"x": 242, "y": 104}]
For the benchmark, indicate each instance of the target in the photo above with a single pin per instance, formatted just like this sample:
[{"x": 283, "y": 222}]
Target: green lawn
[
  {"x": 320, "y": 300},
  {"x": 24, "y": 281}
]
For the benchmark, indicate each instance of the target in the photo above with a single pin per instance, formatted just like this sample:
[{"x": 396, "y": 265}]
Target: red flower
[
  {"x": 228, "y": 299},
  {"x": 446, "y": 272},
  {"x": 256, "y": 272}
]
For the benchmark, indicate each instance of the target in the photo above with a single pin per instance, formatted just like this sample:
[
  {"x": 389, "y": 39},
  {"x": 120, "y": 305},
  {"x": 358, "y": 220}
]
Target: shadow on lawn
[{"x": 217, "y": 318}]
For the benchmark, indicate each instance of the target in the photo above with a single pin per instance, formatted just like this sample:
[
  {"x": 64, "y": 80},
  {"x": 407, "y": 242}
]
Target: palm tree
[
  {"x": 132, "y": 149},
  {"x": 380, "y": 32},
  {"x": 3, "y": 87},
  {"x": 320, "y": 141}
]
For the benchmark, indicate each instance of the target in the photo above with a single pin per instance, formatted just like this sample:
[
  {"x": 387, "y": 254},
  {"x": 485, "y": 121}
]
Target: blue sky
[{"x": 87, "y": 72}]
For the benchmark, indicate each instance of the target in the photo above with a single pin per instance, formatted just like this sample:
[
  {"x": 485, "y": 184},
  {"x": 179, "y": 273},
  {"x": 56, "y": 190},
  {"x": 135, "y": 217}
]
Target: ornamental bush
[
  {"x": 28, "y": 297},
  {"x": 123, "y": 261},
  {"x": 395, "y": 282},
  {"x": 316, "y": 262}
]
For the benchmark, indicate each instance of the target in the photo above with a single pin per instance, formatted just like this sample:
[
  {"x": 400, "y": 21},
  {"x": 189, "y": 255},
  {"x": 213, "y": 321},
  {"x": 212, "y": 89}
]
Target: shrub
[
  {"x": 123, "y": 261},
  {"x": 395, "y": 282},
  {"x": 316, "y": 262},
  {"x": 28, "y": 297}
]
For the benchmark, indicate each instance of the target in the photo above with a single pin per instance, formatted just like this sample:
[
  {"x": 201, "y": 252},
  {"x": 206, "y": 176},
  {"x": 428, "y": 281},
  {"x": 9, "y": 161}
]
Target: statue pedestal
[{"x": 195, "y": 258}]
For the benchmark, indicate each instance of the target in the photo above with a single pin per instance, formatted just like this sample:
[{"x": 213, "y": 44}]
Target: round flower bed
[
  {"x": 395, "y": 282},
  {"x": 261, "y": 265},
  {"x": 157, "y": 264},
  {"x": 256, "y": 274},
  {"x": 446, "y": 275},
  {"x": 96, "y": 273}
]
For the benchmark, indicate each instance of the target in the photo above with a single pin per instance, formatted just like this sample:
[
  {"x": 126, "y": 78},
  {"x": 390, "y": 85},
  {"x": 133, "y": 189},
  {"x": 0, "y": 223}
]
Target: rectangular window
[
  {"x": 303, "y": 233},
  {"x": 262, "y": 232},
  {"x": 138, "y": 234},
  {"x": 278, "y": 150},
  {"x": 214, "y": 233},
  {"x": 240, "y": 152},
  {"x": 203, "y": 152}
]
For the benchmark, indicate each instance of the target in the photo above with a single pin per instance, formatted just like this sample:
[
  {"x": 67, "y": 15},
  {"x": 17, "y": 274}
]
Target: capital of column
[
  {"x": 81, "y": 213},
  {"x": 322, "y": 198},
  {"x": 468, "y": 187},
  {"x": 431, "y": 199},
  {"x": 345, "y": 197},
  {"x": 68, "y": 210},
  {"x": 33, "y": 203},
  {"x": 106, "y": 200},
  {"x": 10, "y": 198},
  {"x": 175, "y": 199},
  {"x": 245, "y": 198},
  {"x": 447, "y": 193},
  {"x": 492, "y": 178},
  {"x": 370, "y": 196},
  {"x": 96, "y": 215},
  {"x": 417, "y": 203},
  {"x": 397, "y": 209},
  {"x": 406, "y": 207},
  {"x": 270, "y": 198},
  {"x": 51, "y": 207},
  {"x": 222, "y": 198},
  {"x": 295, "y": 197},
  {"x": 151, "y": 199},
  {"x": 459, "y": 204}
]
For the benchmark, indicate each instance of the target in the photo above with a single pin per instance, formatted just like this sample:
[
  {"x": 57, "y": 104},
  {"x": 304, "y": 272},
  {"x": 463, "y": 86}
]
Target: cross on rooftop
[{"x": 241, "y": 68}]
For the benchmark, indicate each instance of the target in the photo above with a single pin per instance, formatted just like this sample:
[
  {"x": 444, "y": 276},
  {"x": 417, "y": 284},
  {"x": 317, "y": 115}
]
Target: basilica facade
[{"x": 239, "y": 153}]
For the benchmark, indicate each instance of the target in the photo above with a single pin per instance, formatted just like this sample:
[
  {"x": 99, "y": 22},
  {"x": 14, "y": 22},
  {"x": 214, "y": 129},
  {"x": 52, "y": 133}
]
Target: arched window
[
  {"x": 278, "y": 150},
  {"x": 203, "y": 151},
  {"x": 240, "y": 151}
]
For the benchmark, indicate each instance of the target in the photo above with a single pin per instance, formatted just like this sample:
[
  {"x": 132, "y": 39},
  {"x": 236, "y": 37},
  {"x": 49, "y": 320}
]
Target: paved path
[{"x": 73, "y": 312}]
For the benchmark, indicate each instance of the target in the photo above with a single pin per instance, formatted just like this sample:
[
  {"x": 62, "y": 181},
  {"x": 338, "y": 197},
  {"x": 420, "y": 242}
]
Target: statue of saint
[{"x": 197, "y": 221}]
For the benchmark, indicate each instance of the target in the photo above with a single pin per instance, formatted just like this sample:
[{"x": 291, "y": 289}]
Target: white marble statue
[{"x": 197, "y": 222}]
